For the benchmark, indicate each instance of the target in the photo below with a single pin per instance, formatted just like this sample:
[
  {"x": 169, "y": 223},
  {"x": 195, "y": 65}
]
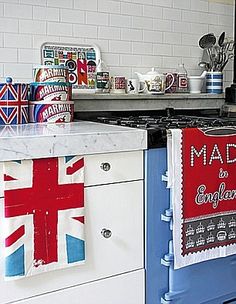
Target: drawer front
[
  {"x": 117, "y": 208},
  {"x": 126, "y": 288},
  {"x": 113, "y": 167}
]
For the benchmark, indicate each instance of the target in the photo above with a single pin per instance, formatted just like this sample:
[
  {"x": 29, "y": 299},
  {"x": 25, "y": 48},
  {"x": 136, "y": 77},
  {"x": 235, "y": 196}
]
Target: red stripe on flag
[
  {"x": 11, "y": 239},
  {"x": 75, "y": 167},
  {"x": 8, "y": 178},
  {"x": 79, "y": 218}
]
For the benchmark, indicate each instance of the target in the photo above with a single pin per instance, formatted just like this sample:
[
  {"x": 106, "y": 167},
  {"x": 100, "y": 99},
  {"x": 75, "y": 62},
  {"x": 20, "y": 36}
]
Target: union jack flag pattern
[
  {"x": 13, "y": 103},
  {"x": 44, "y": 215}
]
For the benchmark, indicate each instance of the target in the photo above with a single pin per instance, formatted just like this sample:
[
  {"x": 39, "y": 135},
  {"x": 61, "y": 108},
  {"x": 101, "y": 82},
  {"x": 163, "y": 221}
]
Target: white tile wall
[{"x": 133, "y": 35}]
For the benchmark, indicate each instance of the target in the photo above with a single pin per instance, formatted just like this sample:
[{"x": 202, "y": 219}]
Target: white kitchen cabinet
[
  {"x": 127, "y": 288},
  {"x": 114, "y": 268}
]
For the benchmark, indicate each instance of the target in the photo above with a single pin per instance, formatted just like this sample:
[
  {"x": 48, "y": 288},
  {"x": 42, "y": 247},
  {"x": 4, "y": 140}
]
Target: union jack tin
[
  {"x": 50, "y": 91},
  {"x": 51, "y": 73},
  {"x": 51, "y": 112},
  {"x": 13, "y": 103}
]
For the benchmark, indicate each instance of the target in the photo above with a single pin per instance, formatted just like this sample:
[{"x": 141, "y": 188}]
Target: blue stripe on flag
[
  {"x": 14, "y": 263},
  {"x": 75, "y": 249}
]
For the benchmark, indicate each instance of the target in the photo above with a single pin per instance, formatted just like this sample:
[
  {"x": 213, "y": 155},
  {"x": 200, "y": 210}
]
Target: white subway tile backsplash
[
  {"x": 179, "y": 50},
  {"x": 1, "y": 9},
  {"x": 152, "y": 11},
  {"x": 72, "y": 16},
  {"x": 221, "y": 9},
  {"x": 171, "y": 13},
  {"x": 172, "y": 38},
  {"x": 60, "y": 3},
  {"x": 142, "y": 23},
  {"x": 24, "y": 55},
  {"x": 142, "y": 48},
  {"x": 199, "y": 5},
  {"x": 130, "y": 60},
  {"x": 85, "y": 31},
  {"x": 109, "y": 6},
  {"x": 105, "y": 32},
  {"x": 120, "y": 20},
  {"x": 164, "y": 3},
  {"x": 17, "y": 40},
  {"x": 181, "y": 4},
  {"x": 190, "y": 39},
  {"x": 9, "y": 25},
  {"x": 86, "y": 5},
  {"x": 60, "y": 29},
  {"x": 131, "y": 34},
  {"x": 119, "y": 46},
  {"x": 162, "y": 25},
  {"x": 45, "y": 13},
  {"x": 32, "y": 27},
  {"x": 9, "y": 54},
  {"x": 103, "y": 44},
  {"x": 151, "y": 61},
  {"x": 38, "y": 40},
  {"x": 18, "y": 70},
  {"x": 153, "y": 36},
  {"x": 199, "y": 28},
  {"x": 97, "y": 18},
  {"x": 111, "y": 59},
  {"x": 181, "y": 27},
  {"x": 18, "y": 11},
  {"x": 161, "y": 49},
  {"x": 131, "y": 9},
  {"x": 34, "y": 2}
]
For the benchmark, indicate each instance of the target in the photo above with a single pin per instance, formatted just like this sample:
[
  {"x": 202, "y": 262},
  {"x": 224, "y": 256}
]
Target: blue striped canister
[{"x": 214, "y": 82}]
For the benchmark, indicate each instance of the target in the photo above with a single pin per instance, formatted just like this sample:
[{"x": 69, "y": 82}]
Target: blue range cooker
[{"x": 210, "y": 282}]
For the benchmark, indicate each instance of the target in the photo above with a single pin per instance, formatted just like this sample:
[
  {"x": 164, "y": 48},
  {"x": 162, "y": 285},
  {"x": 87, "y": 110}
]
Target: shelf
[{"x": 138, "y": 102}]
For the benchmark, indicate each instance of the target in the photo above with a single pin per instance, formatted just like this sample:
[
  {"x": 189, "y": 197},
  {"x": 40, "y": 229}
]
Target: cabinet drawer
[
  {"x": 113, "y": 167},
  {"x": 126, "y": 288},
  {"x": 114, "y": 207}
]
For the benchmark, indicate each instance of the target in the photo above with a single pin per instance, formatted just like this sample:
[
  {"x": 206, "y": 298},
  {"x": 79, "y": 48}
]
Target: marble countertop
[{"x": 77, "y": 138}]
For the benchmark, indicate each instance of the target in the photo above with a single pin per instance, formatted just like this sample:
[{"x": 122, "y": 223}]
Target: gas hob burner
[{"x": 157, "y": 126}]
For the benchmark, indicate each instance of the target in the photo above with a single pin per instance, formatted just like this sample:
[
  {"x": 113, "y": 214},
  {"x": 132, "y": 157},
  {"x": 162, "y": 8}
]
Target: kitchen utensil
[
  {"x": 221, "y": 39},
  {"x": 214, "y": 82},
  {"x": 207, "y": 41}
]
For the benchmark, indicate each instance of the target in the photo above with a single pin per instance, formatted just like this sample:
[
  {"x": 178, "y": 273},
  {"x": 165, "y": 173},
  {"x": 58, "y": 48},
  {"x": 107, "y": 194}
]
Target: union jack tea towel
[
  {"x": 13, "y": 103},
  {"x": 202, "y": 163},
  {"x": 44, "y": 215}
]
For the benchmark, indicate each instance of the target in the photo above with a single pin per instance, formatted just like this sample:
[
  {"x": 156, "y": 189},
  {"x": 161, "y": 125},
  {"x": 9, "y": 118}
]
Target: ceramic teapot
[{"x": 153, "y": 82}]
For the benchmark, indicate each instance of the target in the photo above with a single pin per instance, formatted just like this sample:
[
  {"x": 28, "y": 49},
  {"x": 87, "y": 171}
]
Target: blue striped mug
[{"x": 214, "y": 82}]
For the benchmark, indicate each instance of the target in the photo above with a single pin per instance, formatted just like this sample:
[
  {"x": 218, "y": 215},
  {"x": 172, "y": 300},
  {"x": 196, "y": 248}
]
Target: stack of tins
[
  {"x": 50, "y": 95},
  {"x": 13, "y": 103}
]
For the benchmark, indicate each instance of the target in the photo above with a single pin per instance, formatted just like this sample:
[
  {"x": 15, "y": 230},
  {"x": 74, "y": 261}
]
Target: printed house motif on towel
[
  {"x": 204, "y": 194},
  {"x": 44, "y": 215}
]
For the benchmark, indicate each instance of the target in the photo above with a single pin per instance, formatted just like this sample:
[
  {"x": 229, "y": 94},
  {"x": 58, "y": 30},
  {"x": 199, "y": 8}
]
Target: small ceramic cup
[
  {"x": 117, "y": 84},
  {"x": 195, "y": 84},
  {"x": 214, "y": 82},
  {"x": 131, "y": 86}
]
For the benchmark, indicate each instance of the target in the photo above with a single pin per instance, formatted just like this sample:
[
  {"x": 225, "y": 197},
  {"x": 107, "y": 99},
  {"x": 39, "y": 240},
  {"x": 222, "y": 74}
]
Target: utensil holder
[{"x": 214, "y": 82}]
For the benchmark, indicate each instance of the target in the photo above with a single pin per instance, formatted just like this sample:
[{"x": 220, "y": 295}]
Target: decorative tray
[{"x": 81, "y": 61}]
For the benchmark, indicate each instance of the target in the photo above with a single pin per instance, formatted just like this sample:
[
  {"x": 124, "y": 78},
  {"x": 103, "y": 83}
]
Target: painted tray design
[{"x": 81, "y": 61}]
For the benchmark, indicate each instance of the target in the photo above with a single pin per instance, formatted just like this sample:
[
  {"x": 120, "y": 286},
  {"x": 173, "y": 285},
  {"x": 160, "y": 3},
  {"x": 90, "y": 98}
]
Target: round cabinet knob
[
  {"x": 105, "y": 166},
  {"x": 106, "y": 233}
]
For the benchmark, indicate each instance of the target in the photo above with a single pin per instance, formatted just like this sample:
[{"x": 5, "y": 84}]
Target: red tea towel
[
  {"x": 202, "y": 163},
  {"x": 44, "y": 215}
]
